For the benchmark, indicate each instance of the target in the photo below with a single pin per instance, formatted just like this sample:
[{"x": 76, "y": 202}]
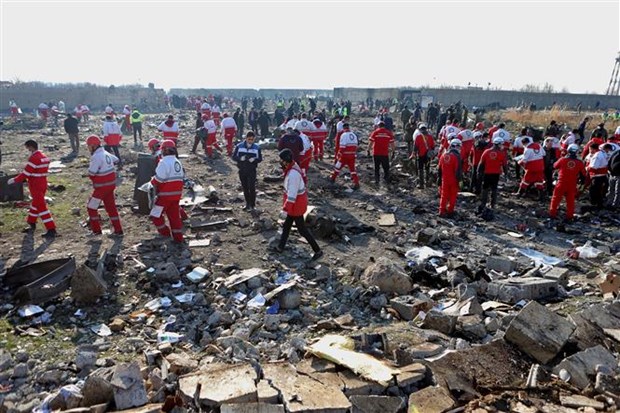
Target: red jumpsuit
[
  {"x": 347, "y": 152},
  {"x": 184, "y": 216},
  {"x": 318, "y": 137},
  {"x": 168, "y": 183},
  {"x": 450, "y": 168},
  {"x": 467, "y": 138},
  {"x": 35, "y": 173},
  {"x": 229, "y": 130},
  {"x": 534, "y": 164},
  {"x": 569, "y": 171},
  {"x": 209, "y": 125},
  {"x": 102, "y": 173}
]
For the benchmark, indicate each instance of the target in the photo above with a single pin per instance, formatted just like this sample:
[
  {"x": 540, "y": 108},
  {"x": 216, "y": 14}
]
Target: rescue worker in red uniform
[
  {"x": 295, "y": 204},
  {"x": 449, "y": 177},
  {"x": 570, "y": 170},
  {"x": 595, "y": 139},
  {"x": 318, "y": 139},
  {"x": 102, "y": 173},
  {"x": 170, "y": 129},
  {"x": 381, "y": 145},
  {"x": 35, "y": 172},
  {"x": 154, "y": 146},
  {"x": 467, "y": 139},
  {"x": 481, "y": 144},
  {"x": 517, "y": 150},
  {"x": 493, "y": 162},
  {"x": 168, "y": 183},
  {"x": 597, "y": 167},
  {"x": 229, "y": 130},
  {"x": 112, "y": 137},
  {"x": 211, "y": 142},
  {"x": 534, "y": 164},
  {"x": 347, "y": 152},
  {"x": 424, "y": 151}
]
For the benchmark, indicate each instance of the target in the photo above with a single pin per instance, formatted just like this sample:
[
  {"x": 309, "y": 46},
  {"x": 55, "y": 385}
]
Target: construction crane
[{"x": 614, "y": 82}]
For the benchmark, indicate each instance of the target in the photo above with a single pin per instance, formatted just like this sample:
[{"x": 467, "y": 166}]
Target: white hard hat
[
  {"x": 452, "y": 136},
  {"x": 455, "y": 143},
  {"x": 477, "y": 135},
  {"x": 498, "y": 141},
  {"x": 573, "y": 147},
  {"x": 422, "y": 125}
]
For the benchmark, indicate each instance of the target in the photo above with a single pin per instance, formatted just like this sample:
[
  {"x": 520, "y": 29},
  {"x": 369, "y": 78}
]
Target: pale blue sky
[{"x": 317, "y": 44}]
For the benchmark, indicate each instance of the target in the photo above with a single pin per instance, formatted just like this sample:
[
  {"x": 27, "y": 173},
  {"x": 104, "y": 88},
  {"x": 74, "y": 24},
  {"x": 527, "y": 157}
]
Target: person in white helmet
[
  {"x": 492, "y": 163},
  {"x": 570, "y": 170}
]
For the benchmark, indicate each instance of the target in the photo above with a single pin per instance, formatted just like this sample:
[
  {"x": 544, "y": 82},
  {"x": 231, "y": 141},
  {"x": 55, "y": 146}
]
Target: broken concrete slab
[
  {"x": 437, "y": 320},
  {"x": 424, "y": 350},
  {"x": 266, "y": 393},
  {"x": 220, "y": 384},
  {"x": 87, "y": 285},
  {"x": 428, "y": 236},
  {"x": 539, "y": 332},
  {"x": 128, "y": 386},
  {"x": 411, "y": 375},
  {"x": 558, "y": 274},
  {"x": 377, "y": 404},
  {"x": 577, "y": 401},
  {"x": 435, "y": 399},
  {"x": 252, "y": 408},
  {"x": 387, "y": 220},
  {"x": 408, "y": 306},
  {"x": 354, "y": 385},
  {"x": 167, "y": 272},
  {"x": 584, "y": 363},
  {"x": 243, "y": 276},
  {"x": 97, "y": 388},
  {"x": 501, "y": 264},
  {"x": 515, "y": 289},
  {"x": 181, "y": 363},
  {"x": 387, "y": 276},
  {"x": 301, "y": 393},
  {"x": 339, "y": 350}
]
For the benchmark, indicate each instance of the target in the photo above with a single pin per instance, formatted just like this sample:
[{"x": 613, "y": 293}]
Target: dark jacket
[
  {"x": 292, "y": 142},
  {"x": 253, "y": 152},
  {"x": 71, "y": 125}
]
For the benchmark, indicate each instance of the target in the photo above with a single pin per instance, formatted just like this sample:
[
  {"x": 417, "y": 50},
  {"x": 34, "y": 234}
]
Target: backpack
[{"x": 614, "y": 164}]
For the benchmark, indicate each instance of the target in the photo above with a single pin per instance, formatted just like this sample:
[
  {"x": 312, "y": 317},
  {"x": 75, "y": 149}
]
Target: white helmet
[
  {"x": 452, "y": 136},
  {"x": 422, "y": 125},
  {"x": 455, "y": 144},
  {"x": 573, "y": 148},
  {"x": 477, "y": 135},
  {"x": 498, "y": 141}
]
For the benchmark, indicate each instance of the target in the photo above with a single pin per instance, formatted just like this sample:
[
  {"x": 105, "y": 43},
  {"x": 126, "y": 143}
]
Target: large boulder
[{"x": 389, "y": 277}]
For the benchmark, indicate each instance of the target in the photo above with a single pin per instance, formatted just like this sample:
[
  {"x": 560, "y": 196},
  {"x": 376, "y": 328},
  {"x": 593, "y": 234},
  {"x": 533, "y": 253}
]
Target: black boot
[
  {"x": 50, "y": 234},
  {"x": 29, "y": 229}
]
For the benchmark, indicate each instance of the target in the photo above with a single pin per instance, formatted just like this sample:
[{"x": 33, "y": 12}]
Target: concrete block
[
  {"x": 539, "y": 332},
  {"x": 581, "y": 401},
  {"x": 516, "y": 289},
  {"x": 431, "y": 400},
  {"x": 444, "y": 323},
  {"x": 558, "y": 274},
  {"x": 377, "y": 404},
  {"x": 501, "y": 264},
  {"x": 583, "y": 364},
  {"x": 408, "y": 306},
  {"x": 221, "y": 384},
  {"x": 252, "y": 408},
  {"x": 266, "y": 393}
]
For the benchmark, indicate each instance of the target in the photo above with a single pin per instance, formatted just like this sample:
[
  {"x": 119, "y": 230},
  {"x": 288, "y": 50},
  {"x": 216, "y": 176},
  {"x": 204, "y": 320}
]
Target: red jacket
[
  {"x": 586, "y": 149},
  {"x": 423, "y": 143},
  {"x": 101, "y": 170},
  {"x": 35, "y": 171},
  {"x": 450, "y": 167},
  {"x": 295, "y": 197},
  {"x": 381, "y": 139},
  {"x": 493, "y": 161},
  {"x": 569, "y": 170},
  {"x": 168, "y": 179}
]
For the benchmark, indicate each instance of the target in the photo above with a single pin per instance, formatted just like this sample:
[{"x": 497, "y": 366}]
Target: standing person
[
  {"x": 346, "y": 155},
  {"x": 581, "y": 130},
  {"x": 112, "y": 137},
  {"x": 614, "y": 179},
  {"x": 570, "y": 169},
  {"x": 43, "y": 111},
  {"x": 85, "y": 112},
  {"x": 517, "y": 150},
  {"x": 72, "y": 129},
  {"x": 253, "y": 120},
  {"x": 168, "y": 183},
  {"x": 229, "y": 130},
  {"x": 240, "y": 120},
  {"x": 14, "y": 109},
  {"x": 305, "y": 156},
  {"x": 597, "y": 171},
  {"x": 534, "y": 164},
  {"x": 136, "y": 120},
  {"x": 493, "y": 162},
  {"x": 216, "y": 113},
  {"x": 405, "y": 115},
  {"x": 35, "y": 172},
  {"x": 102, "y": 173},
  {"x": 211, "y": 130},
  {"x": 424, "y": 151},
  {"x": 318, "y": 138},
  {"x": 295, "y": 204},
  {"x": 481, "y": 145},
  {"x": 449, "y": 169},
  {"x": 170, "y": 129},
  {"x": 201, "y": 133},
  {"x": 551, "y": 156},
  {"x": 248, "y": 155},
  {"x": 109, "y": 111},
  {"x": 410, "y": 128},
  {"x": 205, "y": 108},
  {"x": 127, "y": 118},
  {"x": 381, "y": 145},
  {"x": 263, "y": 123},
  {"x": 292, "y": 142}
]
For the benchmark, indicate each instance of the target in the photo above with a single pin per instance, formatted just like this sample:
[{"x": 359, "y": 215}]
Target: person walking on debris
[
  {"x": 551, "y": 156},
  {"x": 614, "y": 179},
  {"x": 239, "y": 118},
  {"x": 597, "y": 163},
  {"x": 424, "y": 151},
  {"x": 127, "y": 118},
  {"x": 292, "y": 142},
  {"x": 35, "y": 172},
  {"x": 229, "y": 130},
  {"x": 570, "y": 171},
  {"x": 534, "y": 164},
  {"x": 136, "y": 120},
  {"x": 318, "y": 137},
  {"x": 248, "y": 155},
  {"x": 154, "y": 146},
  {"x": 102, "y": 173},
  {"x": 405, "y": 116},
  {"x": 112, "y": 137},
  {"x": 201, "y": 133},
  {"x": 381, "y": 145},
  {"x": 449, "y": 176},
  {"x": 295, "y": 204},
  {"x": 170, "y": 129},
  {"x": 14, "y": 109},
  {"x": 72, "y": 129},
  {"x": 481, "y": 144},
  {"x": 346, "y": 155},
  {"x": 168, "y": 183},
  {"x": 492, "y": 163},
  {"x": 211, "y": 142}
]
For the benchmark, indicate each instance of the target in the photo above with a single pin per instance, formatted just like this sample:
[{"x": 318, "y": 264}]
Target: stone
[
  {"x": 471, "y": 327},
  {"x": 427, "y": 236},
  {"x": 408, "y": 306},
  {"x": 117, "y": 325},
  {"x": 411, "y": 375},
  {"x": 22, "y": 356},
  {"x": 539, "y": 332},
  {"x": 252, "y": 408},
  {"x": 432, "y": 399},
  {"x": 167, "y": 272},
  {"x": 87, "y": 285},
  {"x": 468, "y": 306},
  {"x": 181, "y": 363},
  {"x": 387, "y": 276},
  {"x": 128, "y": 386},
  {"x": 558, "y": 274},
  {"x": 220, "y": 384},
  {"x": 584, "y": 363},
  {"x": 501, "y": 264},
  {"x": 6, "y": 361},
  {"x": 97, "y": 388},
  {"x": 424, "y": 350},
  {"x": 378, "y": 302},
  {"x": 354, "y": 385},
  {"x": 377, "y": 404},
  {"x": 581, "y": 401},
  {"x": 53, "y": 377},
  {"x": 436, "y": 320},
  {"x": 266, "y": 393},
  {"x": 607, "y": 384},
  {"x": 513, "y": 290},
  {"x": 85, "y": 360},
  {"x": 290, "y": 299},
  {"x": 271, "y": 322},
  {"x": 20, "y": 371},
  {"x": 301, "y": 393}
]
